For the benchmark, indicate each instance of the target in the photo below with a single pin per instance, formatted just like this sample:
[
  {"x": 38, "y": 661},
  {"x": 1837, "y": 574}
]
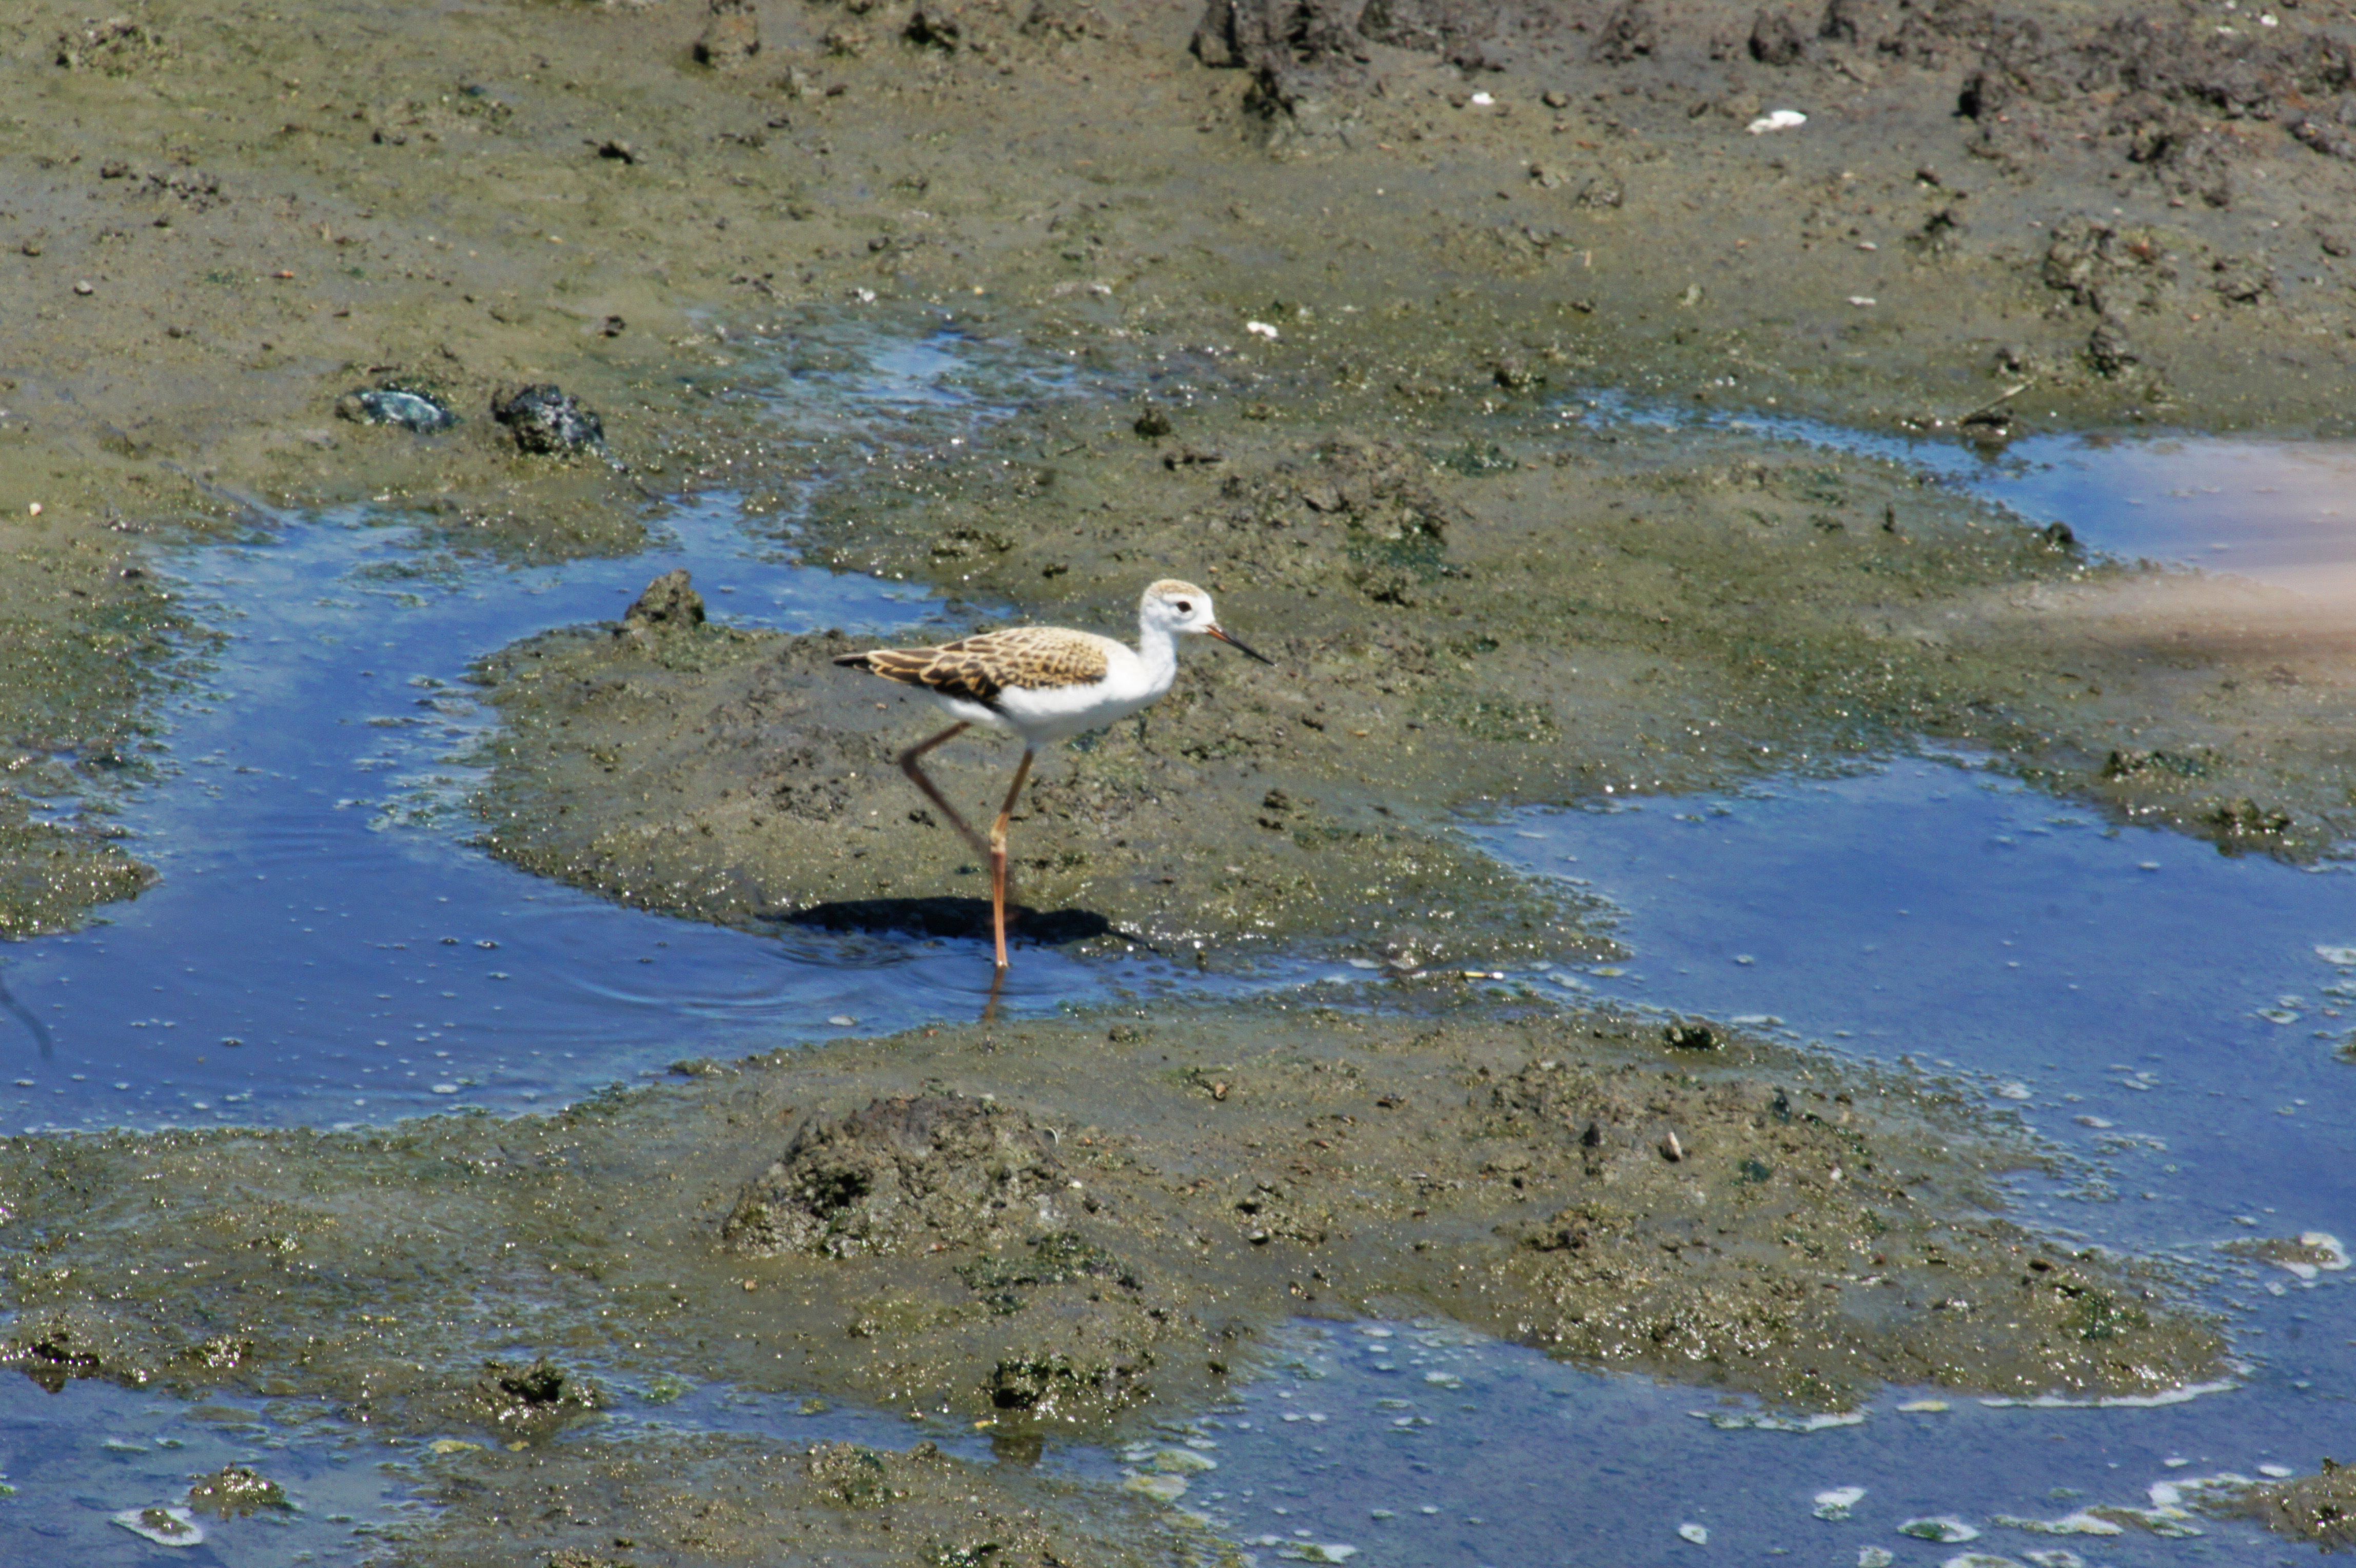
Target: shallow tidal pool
[{"x": 325, "y": 947}]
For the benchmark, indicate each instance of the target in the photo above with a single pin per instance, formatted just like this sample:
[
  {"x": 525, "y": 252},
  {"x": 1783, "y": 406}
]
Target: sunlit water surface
[{"x": 325, "y": 946}]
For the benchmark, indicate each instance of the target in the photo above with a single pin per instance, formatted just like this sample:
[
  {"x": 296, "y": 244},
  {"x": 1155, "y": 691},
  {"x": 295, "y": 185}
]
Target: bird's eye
[{"x": 1185, "y": 608}]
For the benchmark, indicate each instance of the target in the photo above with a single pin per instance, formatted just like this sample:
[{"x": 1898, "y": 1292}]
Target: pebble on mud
[
  {"x": 546, "y": 419},
  {"x": 165, "y": 1527},
  {"x": 419, "y": 412},
  {"x": 731, "y": 38}
]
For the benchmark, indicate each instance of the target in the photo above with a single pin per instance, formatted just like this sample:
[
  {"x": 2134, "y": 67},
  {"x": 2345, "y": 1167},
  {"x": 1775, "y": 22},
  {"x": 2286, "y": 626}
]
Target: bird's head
[{"x": 1185, "y": 609}]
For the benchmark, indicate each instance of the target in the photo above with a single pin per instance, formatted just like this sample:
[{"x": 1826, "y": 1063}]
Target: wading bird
[{"x": 1043, "y": 683}]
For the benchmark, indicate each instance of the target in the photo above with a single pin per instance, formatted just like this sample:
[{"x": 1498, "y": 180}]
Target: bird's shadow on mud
[{"x": 948, "y": 918}]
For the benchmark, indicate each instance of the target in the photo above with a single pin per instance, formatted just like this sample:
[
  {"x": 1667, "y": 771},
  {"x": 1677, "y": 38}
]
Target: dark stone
[
  {"x": 1690, "y": 1037},
  {"x": 1775, "y": 41},
  {"x": 936, "y": 26},
  {"x": 547, "y": 419},
  {"x": 1627, "y": 33},
  {"x": 234, "y": 1491},
  {"x": 669, "y": 601},
  {"x": 2108, "y": 351}
]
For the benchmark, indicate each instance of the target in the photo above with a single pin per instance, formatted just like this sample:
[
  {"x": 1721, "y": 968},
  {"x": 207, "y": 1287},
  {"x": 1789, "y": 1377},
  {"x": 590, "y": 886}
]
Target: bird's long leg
[
  {"x": 997, "y": 856},
  {"x": 911, "y": 764}
]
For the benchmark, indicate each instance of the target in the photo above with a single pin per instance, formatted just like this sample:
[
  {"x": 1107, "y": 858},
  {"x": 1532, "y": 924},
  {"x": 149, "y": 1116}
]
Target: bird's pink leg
[
  {"x": 997, "y": 856},
  {"x": 909, "y": 764}
]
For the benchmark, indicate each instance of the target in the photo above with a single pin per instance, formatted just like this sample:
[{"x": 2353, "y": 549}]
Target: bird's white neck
[{"x": 1157, "y": 650}]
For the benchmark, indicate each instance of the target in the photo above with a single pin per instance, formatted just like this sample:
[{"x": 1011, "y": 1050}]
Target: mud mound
[{"x": 900, "y": 1176}]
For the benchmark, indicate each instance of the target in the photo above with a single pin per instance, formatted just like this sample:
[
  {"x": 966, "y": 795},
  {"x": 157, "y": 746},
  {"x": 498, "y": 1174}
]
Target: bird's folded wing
[{"x": 978, "y": 668}]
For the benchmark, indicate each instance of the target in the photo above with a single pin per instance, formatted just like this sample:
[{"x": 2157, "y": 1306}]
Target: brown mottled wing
[{"x": 977, "y": 668}]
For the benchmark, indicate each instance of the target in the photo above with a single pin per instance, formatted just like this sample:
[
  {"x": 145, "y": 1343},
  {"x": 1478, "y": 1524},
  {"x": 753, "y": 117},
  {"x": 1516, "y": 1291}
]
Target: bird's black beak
[{"x": 1231, "y": 642}]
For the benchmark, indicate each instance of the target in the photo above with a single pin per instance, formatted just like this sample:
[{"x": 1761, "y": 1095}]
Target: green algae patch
[{"x": 1074, "y": 1225}]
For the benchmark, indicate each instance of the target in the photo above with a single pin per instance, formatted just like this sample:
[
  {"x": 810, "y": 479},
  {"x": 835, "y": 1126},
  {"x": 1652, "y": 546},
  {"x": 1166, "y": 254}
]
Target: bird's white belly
[{"x": 1054, "y": 713}]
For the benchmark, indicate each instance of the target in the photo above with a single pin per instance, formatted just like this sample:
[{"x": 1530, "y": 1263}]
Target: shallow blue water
[
  {"x": 320, "y": 906},
  {"x": 76, "y": 1457},
  {"x": 2108, "y": 984},
  {"x": 325, "y": 946}
]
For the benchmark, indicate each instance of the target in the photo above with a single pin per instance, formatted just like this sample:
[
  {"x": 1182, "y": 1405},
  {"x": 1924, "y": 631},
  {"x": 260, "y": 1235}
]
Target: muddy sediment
[
  {"x": 1547, "y": 614},
  {"x": 656, "y": 1497},
  {"x": 2089, "y": 216},
  {"x": 1073, "y": 1225}
]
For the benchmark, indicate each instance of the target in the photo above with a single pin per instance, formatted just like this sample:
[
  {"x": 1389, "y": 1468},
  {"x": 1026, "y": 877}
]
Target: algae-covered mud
[
  {"x": 1064, "y": 1224},
  {"x": 740, "y": 1500}
]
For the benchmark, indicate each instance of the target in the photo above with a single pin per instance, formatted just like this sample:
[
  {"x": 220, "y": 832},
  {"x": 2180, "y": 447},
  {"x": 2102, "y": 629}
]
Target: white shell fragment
[
  {"x": 1698, "y": 1534},
  {"x": 1260, "y": 329},
  {"x": 1837, "y": 1503},
  {"x": 1777, "y": 120},
  {"x": 165, "y": 1527},
  {"x": 1944, "y": 1528}
]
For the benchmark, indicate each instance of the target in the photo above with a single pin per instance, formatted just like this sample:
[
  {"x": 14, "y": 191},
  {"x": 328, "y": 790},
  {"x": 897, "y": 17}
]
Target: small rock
[
  {"x": 1690, "y": 1037},
  {"x": 936, "y": 25},
  {"x": 165, "y": 1527},
  {"x": 419, "y": 412},
  {"x": 1944, "y": 1528},
  {"x": 234, "y": 1491},
  {"x": 1774, "y": 40},
  {"x": 1153, "y": 422},
  {"x": 547, "y": 419},
  {"x": 731, "y": 38},
  {"x": 669, "y": 601}
]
